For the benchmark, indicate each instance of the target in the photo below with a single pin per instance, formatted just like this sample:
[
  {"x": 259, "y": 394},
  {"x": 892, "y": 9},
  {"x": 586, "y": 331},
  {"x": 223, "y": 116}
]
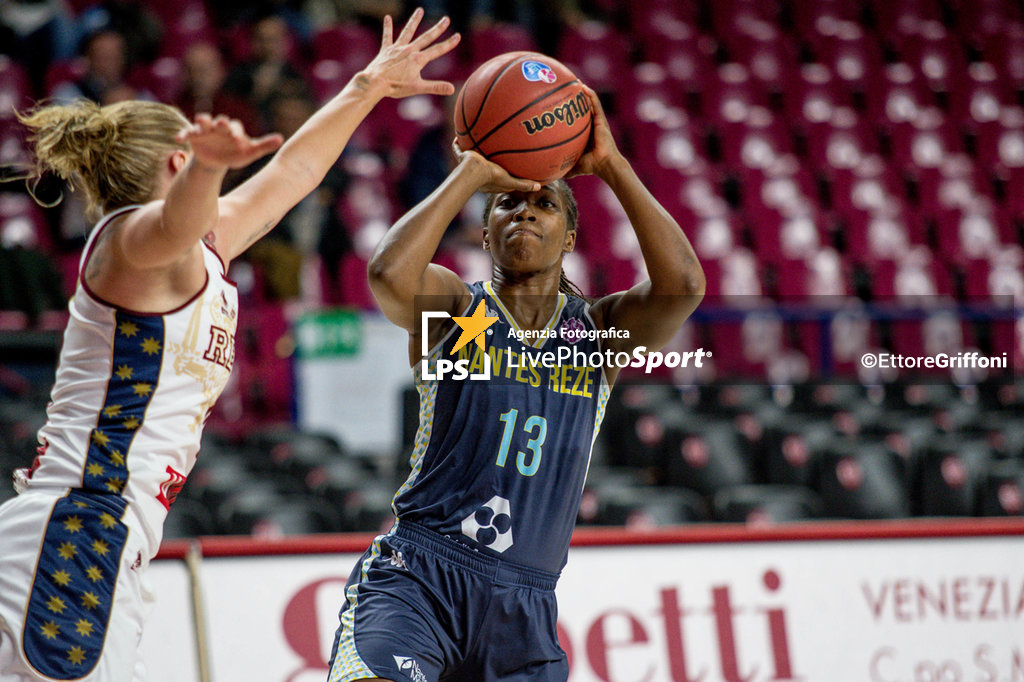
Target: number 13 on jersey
[{"x": 537, "y": 428}]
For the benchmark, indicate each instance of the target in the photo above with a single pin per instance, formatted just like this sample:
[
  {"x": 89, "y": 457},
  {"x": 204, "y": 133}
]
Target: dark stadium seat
[
  {"x": 704, "y": 459},
  {"x": 860, "y": 480},
  {"x": 647, "y": 507},
  {"x": 1003, "y": 489},
  {"x": 766, "y": 504},
  {"x": 951, "y": 470}
]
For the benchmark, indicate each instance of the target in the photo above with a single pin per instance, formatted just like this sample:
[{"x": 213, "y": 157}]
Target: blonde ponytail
[{"x": 113, "y": 153}]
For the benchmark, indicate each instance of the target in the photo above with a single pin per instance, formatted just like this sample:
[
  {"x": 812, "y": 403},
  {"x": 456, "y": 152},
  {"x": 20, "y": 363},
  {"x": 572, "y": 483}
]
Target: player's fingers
[
  {"x": 386, "y": 37},
  {"x": 595, "y": 100},
  {"x": 186, "y": 132},
  {"x": 202, "y": 124},
  {"x": 410, "y": 27},
  {"x": 435, "y": 51},
  {"x": 431, "y": 34},
  {"x": 520, "y": 185},
  {"x": 268, "y": 143},
  {"x": 437, "y": 88}
]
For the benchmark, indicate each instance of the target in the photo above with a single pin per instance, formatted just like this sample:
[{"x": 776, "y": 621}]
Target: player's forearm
[
  {"x": 190, "y": 207},
  {"x": 671, "y": 262},
  {"x": 303, "y": 161},
  {"x": 407, "y": 249}
]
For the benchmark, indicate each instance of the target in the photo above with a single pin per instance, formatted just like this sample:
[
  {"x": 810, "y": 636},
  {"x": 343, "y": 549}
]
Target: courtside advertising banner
[{"x": 845, "y": 610}]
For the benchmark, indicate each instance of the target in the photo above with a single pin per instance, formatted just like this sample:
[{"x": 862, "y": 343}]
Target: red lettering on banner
[
  {"x": 875, "y": 603},
  {"x": 673, "y": 614},
  {"x": 960, "y": 598},
  {"x": 988, "y": 585},
  {"x": 937, "y": 600},
  {"x": 901, "y": 595},
  {"x": 302, "y": 629},
  {"x": 723, "y": 612},
  {"x": 777, "y": 631},
  {"x": 598, "y": 645},
  {"x": 983, "y": 662}
]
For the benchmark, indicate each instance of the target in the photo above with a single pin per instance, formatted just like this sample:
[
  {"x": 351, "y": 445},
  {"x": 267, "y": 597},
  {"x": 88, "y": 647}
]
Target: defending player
[
  {"x": 148, "y": 349},
  {"x": 462, "y": 588}
]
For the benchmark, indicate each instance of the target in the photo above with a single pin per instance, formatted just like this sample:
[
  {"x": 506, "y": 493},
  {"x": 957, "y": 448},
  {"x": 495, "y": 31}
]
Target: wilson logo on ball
[
  {"x": 566, "y": 113},
  {"x": 537, "y": 72}
]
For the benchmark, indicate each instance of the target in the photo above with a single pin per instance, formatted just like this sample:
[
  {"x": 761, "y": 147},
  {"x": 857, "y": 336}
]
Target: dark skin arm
[
  {"x": 400, "y": 269},
  {"x": 653, "y": 310}
]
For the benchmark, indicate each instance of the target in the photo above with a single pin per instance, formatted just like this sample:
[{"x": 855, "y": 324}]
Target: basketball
[{"x": 526, "y": 112}]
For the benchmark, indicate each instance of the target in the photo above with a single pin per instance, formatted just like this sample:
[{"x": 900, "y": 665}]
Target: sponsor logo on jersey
[
  {"x": 491, "y": 524},
  {"x": 410, "y": 667},
  {"x": 537, "y": 72}
]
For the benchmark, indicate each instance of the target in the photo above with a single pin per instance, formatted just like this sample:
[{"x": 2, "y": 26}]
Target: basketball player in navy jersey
[{"x": 462, "y": 588}]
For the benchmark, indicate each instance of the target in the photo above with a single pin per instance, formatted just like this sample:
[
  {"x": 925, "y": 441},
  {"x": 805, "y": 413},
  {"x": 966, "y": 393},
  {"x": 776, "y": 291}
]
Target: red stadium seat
[
  {"x": 597, "y": 53},
  {"x": 347, "y": 41},
  {"x": 495, "y": 39},
  {"x": 819, "y": 276},
  {"x": 936, "y": 56},
  {"x": 852, "y": 54}
]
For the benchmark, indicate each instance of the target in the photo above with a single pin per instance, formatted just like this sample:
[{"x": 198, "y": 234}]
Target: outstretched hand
[
  {"x": 400, "y": 60},
  {"x": 601, "y": 148},
  {"x": 493, "y": 178},
  {"x": 223, "y": 143}
]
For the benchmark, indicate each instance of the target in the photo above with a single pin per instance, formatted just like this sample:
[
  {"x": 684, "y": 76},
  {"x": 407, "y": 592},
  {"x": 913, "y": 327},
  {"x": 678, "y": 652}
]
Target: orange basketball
[{"x": 526, "y": 112}]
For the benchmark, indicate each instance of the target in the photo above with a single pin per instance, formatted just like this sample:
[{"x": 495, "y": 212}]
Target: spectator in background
[
  {"x": 204, "y": 74},
  {"x": 269, "y": 71},
  {"x": 542, "y": 19},
  {"x": 104, "y": 81},
  {"x": 326, "y": 13},
  {"x": 140, "y": 27},
  {"x": 35, "y": 33},
  {"x": 309, "y": 233}
]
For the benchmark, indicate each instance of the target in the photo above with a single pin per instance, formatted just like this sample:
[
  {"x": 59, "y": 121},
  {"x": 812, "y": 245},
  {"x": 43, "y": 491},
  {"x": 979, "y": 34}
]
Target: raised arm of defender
[{"x": 252, "y": 210}]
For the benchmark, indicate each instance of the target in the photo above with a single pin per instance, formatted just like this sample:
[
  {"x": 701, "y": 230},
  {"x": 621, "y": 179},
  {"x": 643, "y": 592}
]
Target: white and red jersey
[{"x": 132, "y": 393}]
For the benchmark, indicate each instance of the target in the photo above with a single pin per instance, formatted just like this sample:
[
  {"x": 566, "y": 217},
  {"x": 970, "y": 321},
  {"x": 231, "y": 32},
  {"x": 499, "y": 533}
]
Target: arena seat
[
  {"x": 951, "y": 471},
  {"x": 1003, "y": 489},
  {"x": 862, "y": 481},
  {"x": 766, "y": 504}
]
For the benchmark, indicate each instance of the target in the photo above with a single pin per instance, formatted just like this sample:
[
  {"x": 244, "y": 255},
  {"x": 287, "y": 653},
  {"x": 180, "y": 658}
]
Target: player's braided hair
[{"x": 572, "y": 219}]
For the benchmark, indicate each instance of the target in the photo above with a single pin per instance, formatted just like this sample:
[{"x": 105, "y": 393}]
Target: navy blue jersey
[{"x": 500, "y": 464}]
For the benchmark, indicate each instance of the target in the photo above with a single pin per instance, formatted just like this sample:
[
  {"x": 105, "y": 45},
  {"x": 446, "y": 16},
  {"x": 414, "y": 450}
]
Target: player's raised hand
[
  {"x": 400, "y": 60},
  {"x": 222, "y": 142},
  {"x": 493, "y": 178},
  {"x": 601, "y": 148}
]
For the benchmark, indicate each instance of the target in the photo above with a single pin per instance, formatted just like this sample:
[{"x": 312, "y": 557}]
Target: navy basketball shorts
[{"x": 423, "y": 607}]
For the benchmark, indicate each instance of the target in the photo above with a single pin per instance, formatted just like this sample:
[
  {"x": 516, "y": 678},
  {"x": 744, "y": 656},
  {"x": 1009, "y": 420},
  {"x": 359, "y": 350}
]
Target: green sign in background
[{"x": 329, "y": 333}]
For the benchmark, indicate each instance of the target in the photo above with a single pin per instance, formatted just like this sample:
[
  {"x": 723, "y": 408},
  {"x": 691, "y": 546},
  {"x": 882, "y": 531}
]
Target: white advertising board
[{"x": 910, "y": 610}]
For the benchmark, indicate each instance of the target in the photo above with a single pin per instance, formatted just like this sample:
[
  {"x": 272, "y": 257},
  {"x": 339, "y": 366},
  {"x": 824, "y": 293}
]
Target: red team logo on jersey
[
  {"x": 170, "y": 488},
  {"x": 222, "y": 347}
]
